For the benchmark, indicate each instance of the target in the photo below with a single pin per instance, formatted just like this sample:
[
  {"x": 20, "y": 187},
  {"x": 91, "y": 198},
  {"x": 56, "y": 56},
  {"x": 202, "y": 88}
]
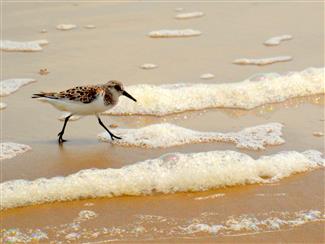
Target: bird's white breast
[{"x": 79, "y": 108}]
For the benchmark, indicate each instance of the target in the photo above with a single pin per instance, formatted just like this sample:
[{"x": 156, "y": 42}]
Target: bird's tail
[{"x": 50, "y": 95}]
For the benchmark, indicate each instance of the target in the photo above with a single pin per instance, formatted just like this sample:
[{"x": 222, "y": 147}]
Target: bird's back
[{"x": 82, "y": 100}]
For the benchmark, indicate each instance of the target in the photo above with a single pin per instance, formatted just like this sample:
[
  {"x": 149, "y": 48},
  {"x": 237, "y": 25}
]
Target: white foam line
[
  {"x": 31, "y": 46},
  {"x": 170, "y": 173},
  {"x": 2, "y": 106},
  {"x": 169, "y": 135},
  {"x": 189, "y": 15},
  {"x": 262, "y": 61},
  {"x": 213, "y": 196},
  {"x": 11, "y": 149},
  {"x": 174, "y": 33},
  {"x": 11, "y": 85},
  {"x": 174, "y": 98},
  {"x": 274, "y": 41},
  {"x": 271, "y": 194}
]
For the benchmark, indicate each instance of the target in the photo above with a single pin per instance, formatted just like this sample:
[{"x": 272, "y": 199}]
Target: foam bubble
[
  {"x": 10, "y": 149},
  {"x": 65, "y": 27},
  {"x": 11, "y": 85},
  {"x": 207, "y": 76},
  {"x": 89, "y": 26},
  {"x": 173, "y": 98},
  {"x": 262, "y": 61},
  {"x": 189, "y": 15},
  {"x": 3, "y": 105},
  {"x": 178, "y": 173},
  {"x": 86, "y": 215},
  {"x": 318, "y": 133},
  {"x": 168, "y": 135},
  {"x": 31, "y": 46},
  {"x": 174, "y": 33},
  {"x": 148, "y": 66},
  {"x": 274, "y": 41}
]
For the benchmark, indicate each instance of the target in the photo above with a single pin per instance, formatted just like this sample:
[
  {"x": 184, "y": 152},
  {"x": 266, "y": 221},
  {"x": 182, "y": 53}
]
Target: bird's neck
[{"x": 110, "y": 98}]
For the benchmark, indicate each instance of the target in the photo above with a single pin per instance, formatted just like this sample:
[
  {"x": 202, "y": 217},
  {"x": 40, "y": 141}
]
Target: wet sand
[{"x": 115, "y": 50}]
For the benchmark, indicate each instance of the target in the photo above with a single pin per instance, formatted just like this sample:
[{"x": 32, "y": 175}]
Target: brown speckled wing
[{"x": 84, "y": 94}]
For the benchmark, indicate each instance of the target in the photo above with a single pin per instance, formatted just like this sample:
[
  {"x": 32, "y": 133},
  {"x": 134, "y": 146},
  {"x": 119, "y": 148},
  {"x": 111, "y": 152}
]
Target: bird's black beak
[{"x": 124, "y": 93}]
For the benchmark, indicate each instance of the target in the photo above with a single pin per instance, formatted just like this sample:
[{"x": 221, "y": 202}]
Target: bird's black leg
[
  {"x": 110, "y": 133},
  {"x": 61, "y": 140}
]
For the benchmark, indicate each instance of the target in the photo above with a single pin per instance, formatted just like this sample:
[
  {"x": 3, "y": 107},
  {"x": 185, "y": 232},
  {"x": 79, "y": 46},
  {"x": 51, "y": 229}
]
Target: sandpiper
[{"x": 85, "y": 100}]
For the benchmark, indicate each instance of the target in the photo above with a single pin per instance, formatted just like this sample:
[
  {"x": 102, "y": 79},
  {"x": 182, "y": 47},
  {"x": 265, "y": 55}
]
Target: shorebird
[{"x": 85, "y": 100}]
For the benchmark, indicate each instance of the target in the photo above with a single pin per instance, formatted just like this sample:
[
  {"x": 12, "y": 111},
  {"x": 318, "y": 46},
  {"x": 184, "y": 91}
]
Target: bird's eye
[{"x": 118, "y": 87}]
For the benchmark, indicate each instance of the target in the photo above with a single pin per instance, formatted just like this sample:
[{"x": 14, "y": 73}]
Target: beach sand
[{"x": 114, "y": 50}]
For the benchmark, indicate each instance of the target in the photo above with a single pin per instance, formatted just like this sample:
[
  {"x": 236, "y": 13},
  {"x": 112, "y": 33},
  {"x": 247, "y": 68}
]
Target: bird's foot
[
  {"x": 114, "y": 137},
  {"x": 61, "y": 140}
]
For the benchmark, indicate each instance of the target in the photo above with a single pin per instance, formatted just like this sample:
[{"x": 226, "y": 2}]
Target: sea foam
[
  {"x": 207, "y": 76},
  {"x": 3, "y": 105},
  {"x": 11, "y": 85},
  {"x": 65, "y": 27},
  {"x": 168, "y": 135},
  {"x": 256, "y": 224},
  {"x": 274, "y": 41},
  {"x": 145, "y": 227},
  {"x": 173, "y": 98},
  {"x": 31, "y": 46},
  {"x": 169, "y": 173},
  {"x": 10, "y": 149},
  {"x": 174, "y": 33},
  {"x": 189, "y": 15},
  {"x": 148, "y": 66},
  {"x": 262, "y": 61}
]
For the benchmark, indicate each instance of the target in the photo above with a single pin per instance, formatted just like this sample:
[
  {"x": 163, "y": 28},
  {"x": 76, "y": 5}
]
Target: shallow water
[{"x": 114, "y": 50}]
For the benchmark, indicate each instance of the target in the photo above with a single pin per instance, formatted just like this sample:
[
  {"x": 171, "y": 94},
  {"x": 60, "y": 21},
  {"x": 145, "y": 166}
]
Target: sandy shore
[{"x": 114, "y": 50}]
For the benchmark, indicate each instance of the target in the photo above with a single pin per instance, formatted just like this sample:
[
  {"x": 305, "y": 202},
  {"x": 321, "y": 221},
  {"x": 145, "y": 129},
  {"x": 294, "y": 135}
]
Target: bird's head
[{"x": 117, "y": 89}]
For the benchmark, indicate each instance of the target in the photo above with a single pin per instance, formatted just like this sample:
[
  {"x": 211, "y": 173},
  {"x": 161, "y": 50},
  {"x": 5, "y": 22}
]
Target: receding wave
[
  {"x": 145, "y": 227},
  {"x": 168, "y": 135},
  {"x": 174, "y": 98},
  {"x": 169, "y": 173}
]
